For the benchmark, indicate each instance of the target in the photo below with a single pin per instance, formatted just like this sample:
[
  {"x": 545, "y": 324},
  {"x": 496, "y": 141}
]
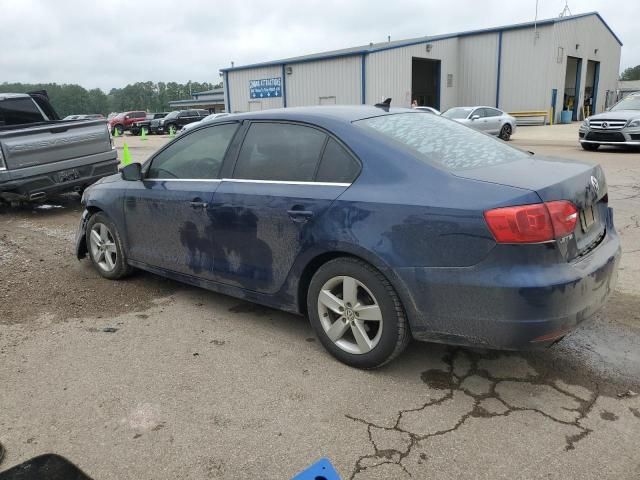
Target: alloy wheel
[
  {"x": 350, "y": 315},
  {"x": 103, "y": 247}
]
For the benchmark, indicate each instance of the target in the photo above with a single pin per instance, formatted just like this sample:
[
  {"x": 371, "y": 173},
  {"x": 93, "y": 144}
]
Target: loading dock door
[{"x": 425, "y": 82}]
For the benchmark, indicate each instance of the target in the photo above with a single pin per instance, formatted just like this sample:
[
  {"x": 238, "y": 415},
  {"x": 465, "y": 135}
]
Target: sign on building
[{"x": 265, "y": 87}]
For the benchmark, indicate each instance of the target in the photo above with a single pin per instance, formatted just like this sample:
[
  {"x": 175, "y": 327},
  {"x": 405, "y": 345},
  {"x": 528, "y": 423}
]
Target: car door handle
[
  {"x": 198, "y": 204},
  {"x": 300, "y": 215}
]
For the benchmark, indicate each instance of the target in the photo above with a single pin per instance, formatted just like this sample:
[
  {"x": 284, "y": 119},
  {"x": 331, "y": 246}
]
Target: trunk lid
[{"x": 582, "y": 183}]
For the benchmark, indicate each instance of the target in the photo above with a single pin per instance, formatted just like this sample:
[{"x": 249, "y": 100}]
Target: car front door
[
  {"x": 265, "y": 215},
  {"x": 480, "y": 122},
  {"x": 167, "y": 213}
]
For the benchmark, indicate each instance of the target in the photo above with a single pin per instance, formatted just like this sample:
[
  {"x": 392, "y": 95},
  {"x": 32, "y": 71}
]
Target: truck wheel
[
  {"x": 591, "y": 147},
  {"x": 105, "y": 248},
  {"x": 119, "y": 129}
]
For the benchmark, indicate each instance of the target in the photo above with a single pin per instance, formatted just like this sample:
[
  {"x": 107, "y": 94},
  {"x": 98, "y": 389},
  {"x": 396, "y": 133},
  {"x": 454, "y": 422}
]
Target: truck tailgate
[{"x": 53, "y": 142}]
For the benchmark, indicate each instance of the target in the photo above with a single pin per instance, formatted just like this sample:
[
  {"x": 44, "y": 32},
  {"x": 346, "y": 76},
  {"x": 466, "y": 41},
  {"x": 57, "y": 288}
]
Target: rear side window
[
  {"x": 492, "y": 112},
  {"x": 198, "y": 155},
  {"x": 443, "y": 142},
  {"x": 337, "y": 165},
  {"x": 16, "y": 111},
  {"x": 279, "y": 151}
]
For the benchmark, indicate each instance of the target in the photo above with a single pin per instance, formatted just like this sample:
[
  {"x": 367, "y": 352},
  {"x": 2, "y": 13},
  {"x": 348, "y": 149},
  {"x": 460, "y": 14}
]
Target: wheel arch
[{"x": 317, "y": 261}]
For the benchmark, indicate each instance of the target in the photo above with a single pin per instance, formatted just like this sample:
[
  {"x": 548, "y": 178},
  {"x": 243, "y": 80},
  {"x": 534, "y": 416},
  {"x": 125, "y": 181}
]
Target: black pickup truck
[
  {"x": 41, "y": 154},
  {"x": 136, "y": 127}
]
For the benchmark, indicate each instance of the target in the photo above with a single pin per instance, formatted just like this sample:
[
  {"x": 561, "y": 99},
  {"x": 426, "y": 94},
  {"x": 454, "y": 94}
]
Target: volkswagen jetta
[{"x": 379, "y": 224}]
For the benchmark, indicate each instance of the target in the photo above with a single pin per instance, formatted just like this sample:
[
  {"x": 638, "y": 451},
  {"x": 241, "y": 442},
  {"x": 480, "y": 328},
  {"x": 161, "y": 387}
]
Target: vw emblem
[
  {"x": 594, "y": 184},
  {"x": 604, "y": 125}
]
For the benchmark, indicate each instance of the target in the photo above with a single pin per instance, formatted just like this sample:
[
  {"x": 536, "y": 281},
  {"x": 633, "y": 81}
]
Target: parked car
[
  {"x": 379, "y": 224},
  {"x": 123, "y": 121},
  {"x": 485, "y": 119},
  {"x": 178, "y": 119},
  {"x": 136, "y": 127},
  {"x": 428, "y": 110},
  {"x": 41, "y": 154},
  {"x": 208, "y": 118},
  {"x": 620, "y": 125}
]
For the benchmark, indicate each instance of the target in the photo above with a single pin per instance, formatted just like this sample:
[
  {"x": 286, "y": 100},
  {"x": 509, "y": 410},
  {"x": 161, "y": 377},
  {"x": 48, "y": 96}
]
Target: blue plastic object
[
  {"x": 321, "y": 470},
  {"x": 565, "y": 116}
]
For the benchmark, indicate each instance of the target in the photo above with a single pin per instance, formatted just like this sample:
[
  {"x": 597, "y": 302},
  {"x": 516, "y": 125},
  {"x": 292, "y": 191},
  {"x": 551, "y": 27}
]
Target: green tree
[
  {"x": 70, "y": 99},
  {"x": 631, "y": 73}
]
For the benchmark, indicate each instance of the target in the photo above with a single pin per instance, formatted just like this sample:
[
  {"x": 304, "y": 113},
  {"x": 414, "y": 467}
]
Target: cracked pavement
[{"x": 148, "y": 378}]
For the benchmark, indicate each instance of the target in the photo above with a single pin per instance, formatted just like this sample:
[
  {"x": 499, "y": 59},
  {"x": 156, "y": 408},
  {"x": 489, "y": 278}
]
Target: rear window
[
  {"x": 443, "y": 142},
  {"x": 16, "y": 111}
]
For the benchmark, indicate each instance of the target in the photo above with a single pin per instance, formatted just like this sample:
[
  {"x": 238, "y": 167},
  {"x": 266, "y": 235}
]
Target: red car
[{"x": 123, "y": 121}]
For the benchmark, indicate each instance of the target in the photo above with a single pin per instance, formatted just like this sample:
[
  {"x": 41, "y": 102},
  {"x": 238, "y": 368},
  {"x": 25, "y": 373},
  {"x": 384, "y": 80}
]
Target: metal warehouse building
[{"x": 566, "y": 63}]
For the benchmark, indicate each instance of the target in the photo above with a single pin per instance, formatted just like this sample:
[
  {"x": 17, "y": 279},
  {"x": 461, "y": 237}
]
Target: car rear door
[
  {"x": 265, "y": 214},
  {"x": 493, "y": 120},
  {"x": 167, "y": 214}
]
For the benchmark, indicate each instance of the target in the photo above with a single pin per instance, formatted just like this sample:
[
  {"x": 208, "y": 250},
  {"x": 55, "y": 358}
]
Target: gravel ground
[{"x": 147, "y": 378}]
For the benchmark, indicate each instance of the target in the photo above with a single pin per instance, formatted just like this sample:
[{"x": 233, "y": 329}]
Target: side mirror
[
  {"x": 475, "y": 117},
  {"x": 132, "y": 172}
]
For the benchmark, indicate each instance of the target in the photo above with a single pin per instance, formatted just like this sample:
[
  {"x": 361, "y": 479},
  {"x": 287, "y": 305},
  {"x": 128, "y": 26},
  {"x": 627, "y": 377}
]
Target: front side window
[
  {"x": 449, "y": 144},
  {"x": 279, "y": 151},
  {"x": 16, "y": 111},
  {"x": 198, "y": 155}
]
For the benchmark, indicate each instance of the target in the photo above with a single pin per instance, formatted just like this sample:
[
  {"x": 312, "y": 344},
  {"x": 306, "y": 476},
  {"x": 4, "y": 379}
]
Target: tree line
[
  {"x": 631, "y": 73},
  {"x": 69, "y": 99}
]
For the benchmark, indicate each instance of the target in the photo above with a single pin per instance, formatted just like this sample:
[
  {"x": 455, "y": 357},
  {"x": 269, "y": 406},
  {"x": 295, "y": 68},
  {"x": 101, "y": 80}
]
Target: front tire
[
  {"x": 505, "y": 132},
  {"x": 590, "y": 147},
  {"x": 105, "y": 248},
  {"x": 356, "y": 313},
  {"x": 119, "y": 129}
]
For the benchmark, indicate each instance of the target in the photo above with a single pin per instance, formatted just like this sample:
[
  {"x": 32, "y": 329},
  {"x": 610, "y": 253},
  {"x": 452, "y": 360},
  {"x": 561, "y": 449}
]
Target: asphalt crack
[{"x": 450, "y": 382}]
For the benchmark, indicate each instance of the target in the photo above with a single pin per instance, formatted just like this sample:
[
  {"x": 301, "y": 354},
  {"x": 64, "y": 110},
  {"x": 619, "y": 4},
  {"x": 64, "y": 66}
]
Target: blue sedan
[{"x": 378, "y": 224}]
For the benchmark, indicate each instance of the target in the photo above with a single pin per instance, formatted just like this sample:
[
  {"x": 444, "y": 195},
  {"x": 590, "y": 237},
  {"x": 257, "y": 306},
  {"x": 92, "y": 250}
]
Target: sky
[{"x": 111, "y": 43}]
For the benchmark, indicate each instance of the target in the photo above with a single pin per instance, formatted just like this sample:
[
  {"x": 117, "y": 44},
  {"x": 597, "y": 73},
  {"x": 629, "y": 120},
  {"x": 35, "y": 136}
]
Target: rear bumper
[
  {"x": 23, "y": 183},
  {"x": 510, "y": 307}
]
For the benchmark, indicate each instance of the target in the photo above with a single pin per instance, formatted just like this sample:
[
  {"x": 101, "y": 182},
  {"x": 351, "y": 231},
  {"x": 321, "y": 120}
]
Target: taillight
[{"x": 540, "y": 222}]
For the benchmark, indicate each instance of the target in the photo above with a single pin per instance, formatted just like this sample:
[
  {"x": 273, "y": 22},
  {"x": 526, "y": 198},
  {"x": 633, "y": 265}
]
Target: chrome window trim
[
  {"x": 182, "y": 179},
  {"x": 286, "y": 182},
  {"x": 243, "y": 180}
]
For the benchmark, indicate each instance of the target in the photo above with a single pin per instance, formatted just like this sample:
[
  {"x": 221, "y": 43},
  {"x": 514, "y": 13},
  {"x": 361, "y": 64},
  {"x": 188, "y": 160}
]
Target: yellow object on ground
[{"x": 143, "y": 134}]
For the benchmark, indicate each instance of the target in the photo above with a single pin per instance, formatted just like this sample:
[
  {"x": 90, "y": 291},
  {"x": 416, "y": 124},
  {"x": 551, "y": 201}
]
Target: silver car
[
  {"x": 486, "y": 119},
  {"x": 619, "y": 125},
  {"x": 206, "y": 119}
]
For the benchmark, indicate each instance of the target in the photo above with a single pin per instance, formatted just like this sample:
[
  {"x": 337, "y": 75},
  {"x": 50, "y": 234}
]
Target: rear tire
[
  {"x": 590, "y": 147},
  {"x": 356, "y": 313},
  {"x": 105, "y": 248},
  {"x": 119, "y": 129},
  {"x": 505, "y": 132}
]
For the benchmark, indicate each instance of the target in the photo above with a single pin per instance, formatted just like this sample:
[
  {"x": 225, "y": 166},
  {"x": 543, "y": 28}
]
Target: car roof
[{"x": 346, "y": 113}]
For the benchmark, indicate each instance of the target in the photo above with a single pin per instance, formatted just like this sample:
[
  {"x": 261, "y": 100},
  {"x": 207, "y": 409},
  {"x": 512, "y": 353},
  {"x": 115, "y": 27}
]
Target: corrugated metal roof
[{"x": 377, "y": 47}]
